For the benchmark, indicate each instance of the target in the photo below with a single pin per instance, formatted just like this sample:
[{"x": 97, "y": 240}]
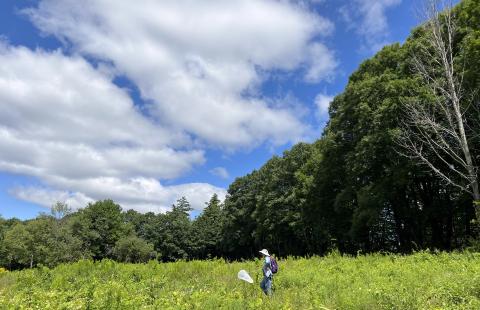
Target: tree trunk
[
  {"x": 468, "y": 159},
  {"x": 476, "y": 202},
  {"x": 425, "y": 135},
  {"x": 449, "y": 227}
]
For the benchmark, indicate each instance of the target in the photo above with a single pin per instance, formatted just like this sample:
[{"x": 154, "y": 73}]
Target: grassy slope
[{"x": 420, "y": 281}]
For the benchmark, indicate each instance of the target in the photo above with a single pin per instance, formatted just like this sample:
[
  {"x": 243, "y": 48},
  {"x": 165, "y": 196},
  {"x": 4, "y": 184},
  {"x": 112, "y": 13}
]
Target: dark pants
[{"x": 266, "y": 285}]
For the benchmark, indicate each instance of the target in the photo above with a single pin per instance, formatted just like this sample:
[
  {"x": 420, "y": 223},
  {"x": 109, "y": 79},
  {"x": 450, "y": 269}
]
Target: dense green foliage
[
  {"x": 419, "y": 281},
  {"x": 350, "y": 190}
]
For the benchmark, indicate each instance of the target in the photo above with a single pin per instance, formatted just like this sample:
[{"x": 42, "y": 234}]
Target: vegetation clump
[{"x": 418, "y": 281}]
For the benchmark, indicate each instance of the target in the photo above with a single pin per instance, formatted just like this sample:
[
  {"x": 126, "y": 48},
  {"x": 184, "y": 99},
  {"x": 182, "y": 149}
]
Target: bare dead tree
[{"x": 435, "y": 130}]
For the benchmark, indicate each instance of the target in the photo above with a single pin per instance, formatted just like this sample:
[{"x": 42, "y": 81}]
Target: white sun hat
[{"x": 264, "y": 252}]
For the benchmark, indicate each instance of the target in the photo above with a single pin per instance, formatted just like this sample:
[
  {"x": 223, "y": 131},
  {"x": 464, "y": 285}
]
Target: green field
[{"x": 419, "y": 281}]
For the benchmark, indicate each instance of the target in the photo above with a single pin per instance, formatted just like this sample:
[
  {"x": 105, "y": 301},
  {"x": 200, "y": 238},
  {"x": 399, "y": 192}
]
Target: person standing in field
[{"x": 266, "y": 283}]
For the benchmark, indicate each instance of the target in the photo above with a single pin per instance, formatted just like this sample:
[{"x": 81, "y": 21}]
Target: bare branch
[{"x": 437, "y": 133}]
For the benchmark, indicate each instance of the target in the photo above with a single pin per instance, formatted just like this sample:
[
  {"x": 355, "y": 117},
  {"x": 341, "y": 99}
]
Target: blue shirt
[{"x": 267, "y": 269}]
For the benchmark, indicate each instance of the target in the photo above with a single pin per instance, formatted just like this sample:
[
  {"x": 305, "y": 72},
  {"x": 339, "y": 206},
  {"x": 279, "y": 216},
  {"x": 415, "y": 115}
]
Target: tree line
[
  {"x": 361, "y": 187},
  {"x": 102, "y": 230}
]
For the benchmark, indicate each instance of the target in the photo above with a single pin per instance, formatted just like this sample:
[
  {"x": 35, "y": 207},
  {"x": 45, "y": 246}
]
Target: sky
[{"x": 144, "y": 102}]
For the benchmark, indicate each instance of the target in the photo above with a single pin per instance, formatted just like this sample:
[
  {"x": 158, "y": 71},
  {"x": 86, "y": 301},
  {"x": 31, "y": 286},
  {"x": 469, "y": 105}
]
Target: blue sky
[{"x": 146, "y": 101}]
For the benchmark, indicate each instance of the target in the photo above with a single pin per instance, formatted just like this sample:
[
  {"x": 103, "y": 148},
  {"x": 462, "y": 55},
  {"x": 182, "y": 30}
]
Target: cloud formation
[
  {"x": 322, "y": 103},
  {"x": 47, "y": 197},
  {"x": 198, "y": 61},
  {"x": 368, "y": 18},
  {"x": 220, "y": 172},
  {"x": 199, "y": 67},
  {"x": 60, "y": 116},
  {"x": 67, "y": 124},
  {"x": 141, "y": 194}
]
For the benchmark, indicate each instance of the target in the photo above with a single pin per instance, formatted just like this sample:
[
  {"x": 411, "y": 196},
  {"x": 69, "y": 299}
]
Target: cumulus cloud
[
  {"x": 220, "y": 172},
  {"x": 196, "y": 59},
  {"x": 322, "y": 103},
  {"x": 198, "y": 64},
  {"x": 368, "y": 18},
  {"x": 59, "y": 116},
  {"x": 47, "y": 197},
  {"x": 67, "y": 124},
  {"x": 141, "y": 194},
  {"x": 322, "y": 63}
]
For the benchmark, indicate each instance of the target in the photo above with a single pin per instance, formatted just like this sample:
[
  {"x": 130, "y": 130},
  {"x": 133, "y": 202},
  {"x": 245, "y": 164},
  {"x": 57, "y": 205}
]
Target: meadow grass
[{"x": 418, "y": 281}]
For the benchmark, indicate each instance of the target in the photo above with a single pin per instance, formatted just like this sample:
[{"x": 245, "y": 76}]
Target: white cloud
[
  {"x": 220, "y": 172},
  {"x": 322, "y": 63},
  {"x": 59, "y": 116},
  {"x": 322, "y": 103},
  {"x": 67, "y": 124},
  {"x": 196, "y": 59},
  {"x": 368, "y": 18},
  {"x": 141, "y": 194},
  {"x": 47, "y": 197},
  {"x": 346, "y": 13},
  {"x": 374, "y": 19},
  {"x": 198, "y": 64}
]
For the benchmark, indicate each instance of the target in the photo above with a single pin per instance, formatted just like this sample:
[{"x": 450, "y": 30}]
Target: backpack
[{"x": 273, "y": 265}]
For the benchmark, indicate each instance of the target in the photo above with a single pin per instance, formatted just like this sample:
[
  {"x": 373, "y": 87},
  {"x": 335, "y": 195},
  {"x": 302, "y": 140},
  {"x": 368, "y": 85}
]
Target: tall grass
[{"x": 419, "y": 281}]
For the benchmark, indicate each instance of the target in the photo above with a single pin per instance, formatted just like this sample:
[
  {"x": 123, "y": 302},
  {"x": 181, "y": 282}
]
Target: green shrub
[{"x": 418, "y": 281}]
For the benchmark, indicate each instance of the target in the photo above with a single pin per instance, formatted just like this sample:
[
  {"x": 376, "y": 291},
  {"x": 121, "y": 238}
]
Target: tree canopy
[{"x": 352, "y": 189}]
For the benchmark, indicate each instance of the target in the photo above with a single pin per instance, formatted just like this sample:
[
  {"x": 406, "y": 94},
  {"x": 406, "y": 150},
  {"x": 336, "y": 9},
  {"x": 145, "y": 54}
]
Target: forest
[{"x": 362, "y": 187}]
